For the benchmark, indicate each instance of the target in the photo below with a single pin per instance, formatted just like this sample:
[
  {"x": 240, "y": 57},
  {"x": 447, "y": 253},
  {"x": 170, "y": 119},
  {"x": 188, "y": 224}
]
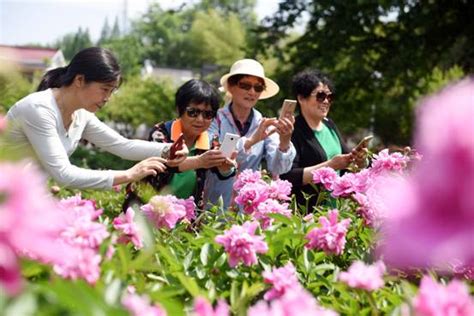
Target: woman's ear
[
  {"x": 300, "y": 98},
  {"x": 79, "y": 81}
]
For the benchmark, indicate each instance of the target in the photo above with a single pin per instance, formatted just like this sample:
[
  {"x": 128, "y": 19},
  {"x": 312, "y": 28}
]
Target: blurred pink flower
[
  {"x": 125, "y": 224},
  {"x": 3, "y": 123},
  {"x": 343, "y": 186},
  {"x": 385, "y": 161},
  {"x": 164, "y": 211},
  {"x": 245, "y": 177},
  {"x": 27, "y": 213},
  {"x": 189, "y": 206},
  {"x": 325, "y": 176},
  {"x": 138, "y": 305},
  {"x": 294, "y": 302},
  {"x": 430, "y": 217},
  {"x": 86, "y": 265},
  {"x": 251, "y": 195},
  {"x": 270, "y": 207},
  {"x": 241, "y": 244},
  {"x": 362, "y": 276},
  {"x": 331, "y": 236},
  {"x": 280, "y": 190},
  {"x": 435, "y": 299},
  {"x": 203, "y": 308},
  {"x": 282, "y": 280}
]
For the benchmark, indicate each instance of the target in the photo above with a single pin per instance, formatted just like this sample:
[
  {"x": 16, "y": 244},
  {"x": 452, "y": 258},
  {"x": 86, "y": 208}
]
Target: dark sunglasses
[
  {"x": 321, "y": 96},
  {"x": 193, "y": 112},
  {"x": 247, "y": 86}
]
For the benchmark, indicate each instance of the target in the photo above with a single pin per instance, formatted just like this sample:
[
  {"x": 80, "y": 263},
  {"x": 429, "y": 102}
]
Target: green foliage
[
  {"x": 128, "y": 50},
  {"x": 13, "y": 87},
  {"x": 141, "y": 101},
  {"x": 72, "y": 43}
]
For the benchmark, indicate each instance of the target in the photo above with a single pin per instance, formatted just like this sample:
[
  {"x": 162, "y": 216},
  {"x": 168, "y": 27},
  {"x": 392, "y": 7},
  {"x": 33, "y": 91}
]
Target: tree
[
  {"x": 72, "y": 43},
  {"x": 104, "y": 33},
  {"x": 378, "y": 52}
]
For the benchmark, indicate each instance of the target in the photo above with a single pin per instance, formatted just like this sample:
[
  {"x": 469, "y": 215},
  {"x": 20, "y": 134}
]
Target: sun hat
[{"x": 251, "y": 67}]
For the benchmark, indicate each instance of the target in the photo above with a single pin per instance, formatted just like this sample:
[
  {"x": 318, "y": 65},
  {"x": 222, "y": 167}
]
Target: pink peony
[
  {"x": 294, "y": 302},
  {"x": 430, "y": 218},
  {"x": 280, "y": 190},
  {"x": 270, "y": 207},
  {"x": 362, "y": 276},
  {"x": 251, "y": 195},
  {"x": 189, "y": 207},
  {"x": 245, "y": 177},
  {"x": 282, "y": 279},
  {"x": 138, "y": 305},
  {"x": 241, "y": 244},
  {"x": 435, "y": 299},
  {"x": 125, "y": 224},
  {"x": 203, "y": 308},
  {"x": 326, "y": 176},
  {"x": 3, "y": 123},
  {"x": 384, "y": 161},
  {"x": 331, "y": 236},
  {"x": 164, "y": 211}
]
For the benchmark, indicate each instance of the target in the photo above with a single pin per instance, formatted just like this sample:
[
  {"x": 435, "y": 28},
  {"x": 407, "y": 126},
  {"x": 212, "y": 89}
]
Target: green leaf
[
  {"x": 189, "y": 284},
  {"x": 204, "y": 255}
]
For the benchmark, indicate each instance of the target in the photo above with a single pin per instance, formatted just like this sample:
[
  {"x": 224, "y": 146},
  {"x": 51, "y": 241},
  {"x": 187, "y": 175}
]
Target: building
[
  {"x": 29, "y": 60},
  {"x": 176, "y": 76}
]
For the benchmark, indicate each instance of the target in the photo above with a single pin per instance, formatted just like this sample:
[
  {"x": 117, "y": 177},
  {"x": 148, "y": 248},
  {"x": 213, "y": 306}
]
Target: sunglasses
[
  {"x": 247, "y": 86},
  {"x": 206, "y": 114},
  {"x": 321, "y": 96}
]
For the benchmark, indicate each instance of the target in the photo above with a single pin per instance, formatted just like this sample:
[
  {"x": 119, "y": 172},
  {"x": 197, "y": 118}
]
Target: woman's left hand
[
  {"x": 359, "y": 156},
  {"x": 180, "y": 157},
  {"x": 285, "y": 129},
  {"x": 229, "y": 163}
]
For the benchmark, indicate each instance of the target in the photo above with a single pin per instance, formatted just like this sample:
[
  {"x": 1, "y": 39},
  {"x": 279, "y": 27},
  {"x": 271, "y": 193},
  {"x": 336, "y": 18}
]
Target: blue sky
[{"x": 45, "y": 21}]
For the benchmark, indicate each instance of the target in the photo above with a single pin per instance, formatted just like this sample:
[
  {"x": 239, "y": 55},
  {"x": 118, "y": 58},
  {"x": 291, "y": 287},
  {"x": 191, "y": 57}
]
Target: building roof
[{"x": 31, "y": 58}]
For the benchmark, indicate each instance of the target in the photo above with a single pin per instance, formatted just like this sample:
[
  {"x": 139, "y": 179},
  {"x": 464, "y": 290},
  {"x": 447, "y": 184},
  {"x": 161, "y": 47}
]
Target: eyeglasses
[
  {"x": 247, "y": 86},
  {"x": 321, "y": 96},
  {"x": 206, "y": 114}
]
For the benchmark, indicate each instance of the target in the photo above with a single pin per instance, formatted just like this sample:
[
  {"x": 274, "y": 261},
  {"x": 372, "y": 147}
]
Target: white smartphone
[
  {"x": 288, "y": 108},
  {"x": 229, "y": 143},
  {"x": 364, "y": 143}
]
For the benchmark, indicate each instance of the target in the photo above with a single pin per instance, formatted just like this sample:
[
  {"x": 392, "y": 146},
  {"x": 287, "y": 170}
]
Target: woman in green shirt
[{"x": 316, "y": 138}]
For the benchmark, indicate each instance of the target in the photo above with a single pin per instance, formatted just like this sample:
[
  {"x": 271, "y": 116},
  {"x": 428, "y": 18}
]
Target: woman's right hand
[
  {"x": 263, "y": 131},
  {"x": 211, "y": 158},
  {"x": 339, "y": 162},
  {"x": 147, "y": 167}
]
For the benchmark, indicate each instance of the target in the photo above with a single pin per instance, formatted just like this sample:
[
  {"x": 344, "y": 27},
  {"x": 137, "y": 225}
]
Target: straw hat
[{"x": 251, "y": 67}]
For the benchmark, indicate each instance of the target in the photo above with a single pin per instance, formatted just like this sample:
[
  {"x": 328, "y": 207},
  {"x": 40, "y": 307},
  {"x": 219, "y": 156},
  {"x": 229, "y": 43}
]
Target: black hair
[
  {"x": 196, "y": 91},
  {"x": 306, "y": 81},
  {"x": 233, "y": 80},
  {"x": 94, "y": 63}
]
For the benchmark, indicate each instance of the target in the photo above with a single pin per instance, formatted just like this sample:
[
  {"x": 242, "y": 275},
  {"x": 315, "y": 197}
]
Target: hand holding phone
[
  {"x": 177, "y": 145},
  {"x": 229, "y": 143},
  {"x": 364, "y": 143},
  {"x": 288, "y": 108}
]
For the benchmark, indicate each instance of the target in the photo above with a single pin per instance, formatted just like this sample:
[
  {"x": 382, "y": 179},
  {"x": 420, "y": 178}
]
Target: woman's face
[
  {"x": 94, "y": 95},
  {"x": 196, "y": 119},
  {"x": 244, "y": 94},
  {"x": 318, "y": 103}
]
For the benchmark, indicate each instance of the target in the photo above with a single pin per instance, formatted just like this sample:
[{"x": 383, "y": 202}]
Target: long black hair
[{"x": 94, "y": 63}]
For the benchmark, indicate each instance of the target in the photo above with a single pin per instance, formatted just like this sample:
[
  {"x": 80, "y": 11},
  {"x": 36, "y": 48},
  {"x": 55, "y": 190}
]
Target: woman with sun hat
[{"x": 262, "y": 138}]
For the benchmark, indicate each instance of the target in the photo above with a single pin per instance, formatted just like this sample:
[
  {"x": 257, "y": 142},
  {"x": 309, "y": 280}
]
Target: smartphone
[
  {"x": 364, "y": 143},
  {"x": 177, "y": 145},
  {"x": 229, "y": 143},
  {"x": 288, "y": 108}
]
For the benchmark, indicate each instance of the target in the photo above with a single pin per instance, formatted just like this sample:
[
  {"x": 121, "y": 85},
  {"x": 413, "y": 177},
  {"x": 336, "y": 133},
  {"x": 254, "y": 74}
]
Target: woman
[
  {"x": 55, "y": 118},
  {"x": 197, "y": 103},
  {"x": 316, "y": 138},
  {"x": 261, "y": 138}
]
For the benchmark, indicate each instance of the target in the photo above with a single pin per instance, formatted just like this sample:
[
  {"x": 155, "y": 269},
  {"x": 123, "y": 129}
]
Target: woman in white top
[{"x": 54, "y": 119}]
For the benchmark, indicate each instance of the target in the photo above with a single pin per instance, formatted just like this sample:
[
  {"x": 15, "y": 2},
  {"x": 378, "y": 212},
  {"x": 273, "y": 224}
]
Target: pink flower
[
  {"x": 280, "y": 190},
  {"x": 325, "y": 176},
  {"x": 140, "y": 305},
  {"x": 343, "y": 186},
  {"x": 241, "y": 244},
  {"x": 203, "y": 308},
  {"x": 251, "y": 195},
  {"x": 283, "y": 279},
  {"x": 86, "y": 266},
  {"x": 435, "y": 299},
  {"x": 125, "y": 224},
  {"x": 294, "y": 302},
  {"x": 366, "y": 209},
  {"x": 331, "y": 236},
  {"x": 384, "y": 161},
  {"x": 30, "y": 223},
  {"x": 270, "y": 207},
  {"x": 245, "y": 177},
  {"x": 164, "y": 211},
  {"x": 436, "y": 224},
  {"x": 189, "y": 206},
  {"x": 362, "y": 276},
  {"x": 3, "y": 123}
]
